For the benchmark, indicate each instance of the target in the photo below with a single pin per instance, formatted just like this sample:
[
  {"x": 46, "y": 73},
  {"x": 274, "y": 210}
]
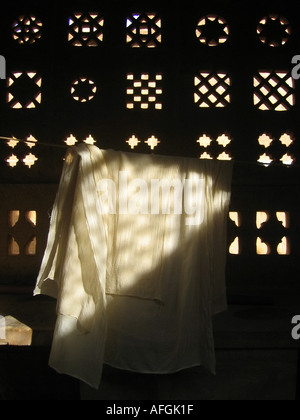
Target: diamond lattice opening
[
  {"x": 212, "y": 89},
  {"x": 273, "y": 91}
]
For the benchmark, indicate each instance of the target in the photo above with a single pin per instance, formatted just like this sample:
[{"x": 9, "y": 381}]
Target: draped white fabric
[{"x": 136, "y": 258}]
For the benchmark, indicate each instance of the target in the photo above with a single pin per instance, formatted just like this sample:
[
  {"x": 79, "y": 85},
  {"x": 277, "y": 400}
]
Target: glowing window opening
[
  {"x": 143, "y": 30},
  {"x": 262, "y": 248},
  {"x": 31, "y": 217},
  {"x": 274, "y": 30},
  {"x": 283, "y": 248},
  {"x": 83, "y": 90},
  {"x": 13, "y": 247},
  {"x": 234, "y": 248},
  {"x": 13, "y": 217},
  {"x": 12, "y": 161},
  {"x": 30, "y": 248},
  {"x": 152, "y": 142},
  {"x": 267, "y": 141},
  {"x": 144, "y": 92},
  {"x": 273, "y": 91},
  {"x": 133, "y": 141},
  {"x": 16, "y": 84},
  {"x": 86, "y": 29},
  {"x": 26, "y": 30},
  {"x": 212, "y": 90},
  {"x": 212, "y": 30},
  {"x": 207, "y": 142}
]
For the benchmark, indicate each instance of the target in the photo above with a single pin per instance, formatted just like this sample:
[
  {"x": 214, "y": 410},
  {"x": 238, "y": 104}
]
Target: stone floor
[{"x": 256, "y": 360}]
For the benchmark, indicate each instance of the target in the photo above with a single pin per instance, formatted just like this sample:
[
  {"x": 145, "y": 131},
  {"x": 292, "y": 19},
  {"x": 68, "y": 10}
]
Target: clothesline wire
[
  {"x": 33, "y": 142},
  {"x": 61, "y": 146}
]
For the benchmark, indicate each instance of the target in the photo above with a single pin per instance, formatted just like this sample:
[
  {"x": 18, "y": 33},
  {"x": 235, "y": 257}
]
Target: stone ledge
[
  {"x": 15, "y": 333},
  {"x": 29, "y": 320}
]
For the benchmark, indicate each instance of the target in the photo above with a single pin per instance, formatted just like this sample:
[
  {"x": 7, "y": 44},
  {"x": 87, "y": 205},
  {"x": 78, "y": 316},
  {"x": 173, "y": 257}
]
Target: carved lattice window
[
  {"x": 215, "y": 148},
  {"x": 271, "y": 230},
  {"x": 29, "y": 159},
  {"x": 274, "y": 30},
  {"x": 144, "y": 91},
  {"x": 72, "y": 140},
  {"x": 212, "y": 89},
  {"x": 85, "y": 29},
  {"x": 24, "y": 90},
  {"x": 276, "y": 149},
  {"x": 212, "y": 30},
  {"x": 22, "y": 233},
  {"x": 27, "y": 29},
  {"x": 143, "y": 30},
  {"x": 279, "y": 242},
  {"x": 152, "y": 142},
  {"x": 83, "y": 89},
  {"x": 273, "y": 91}
]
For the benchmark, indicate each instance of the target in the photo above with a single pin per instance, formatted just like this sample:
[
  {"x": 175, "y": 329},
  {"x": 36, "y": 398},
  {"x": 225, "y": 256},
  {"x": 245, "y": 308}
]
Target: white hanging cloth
[{"x": 136, "y": 258}]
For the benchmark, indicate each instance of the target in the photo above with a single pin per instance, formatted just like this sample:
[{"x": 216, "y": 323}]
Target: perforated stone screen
[{"x": 186, "y": 78}]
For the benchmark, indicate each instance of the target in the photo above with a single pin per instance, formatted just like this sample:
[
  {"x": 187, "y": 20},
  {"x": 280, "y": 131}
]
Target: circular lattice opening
[
  {"x": 274, "y": 30},
  {"x": 27, "y": 29},
  {"x": 212, "y": 30},
  {"x": 83, "y": 90}
]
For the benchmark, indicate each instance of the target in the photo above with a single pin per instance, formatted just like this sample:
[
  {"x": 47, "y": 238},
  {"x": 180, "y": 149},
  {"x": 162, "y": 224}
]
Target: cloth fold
[{"x": 136, "y": 252}]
